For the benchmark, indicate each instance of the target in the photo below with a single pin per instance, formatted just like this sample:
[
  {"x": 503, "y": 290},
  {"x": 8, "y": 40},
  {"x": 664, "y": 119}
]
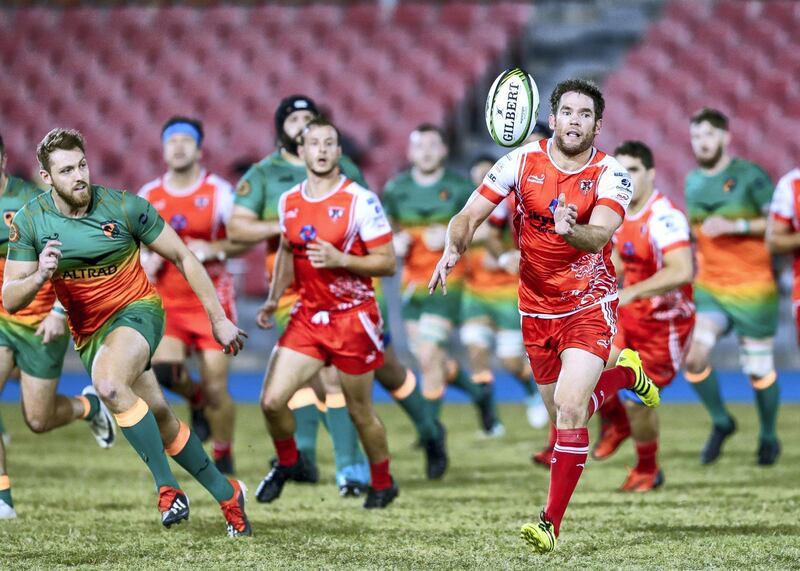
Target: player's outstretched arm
[
  {"x": 677, "y": 270},
  {"x": 459, "y": 236},
  {"x": 169, "y": 246},
  {"x": 591, "y": 237},
  {"x": 245, "y": 227},
  {"x": 22, "y": 280}
]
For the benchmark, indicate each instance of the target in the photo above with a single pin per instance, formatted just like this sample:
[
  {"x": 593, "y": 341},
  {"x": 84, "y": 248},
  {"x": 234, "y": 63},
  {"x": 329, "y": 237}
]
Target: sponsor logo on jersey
[
  {"x": 536, "y": 179},
  {"x": 13, "y": 233},
  {"x": 110, "y": 229},
  {"x": 292, "y": 213},
  {"x": 308, "y": 233},
  {"x": 201, "y": 201},
  {"x": 444, "y": 194},
  {"x": 627, "y": 248},
  {"x": 243, "y": 188},
  {"x": 729, "y": 185},
  {"x": 626, "y": 182},
  {"x": 542, "y": 223},
  {"x": 178, "y": 222},
  {"x": 335, "y": 212},
  {"x": 160, "y": 204},
  {"x": 586, "y": 185},
  {"x": 8, "y": 216},
  {"x": 84, "y": 273}
]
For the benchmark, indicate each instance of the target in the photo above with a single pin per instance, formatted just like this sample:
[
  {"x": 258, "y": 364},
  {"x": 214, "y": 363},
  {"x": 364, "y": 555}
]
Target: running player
[
  {"x": 86, "y": 240},
  {"x": 197, "y": 204},
  {"x": 728, "y": 200},
  {"x": 35, "y": 340},
  {"x": 335, "y": 239},
  {"x": 489, "y": 306},
  {"x": 783, "y": 230},
  {"x": 656, "y": 315},
  {"x": 255, "y": 219},
  {"x": 419, "y": 202},
  {"x": 572, "y": 198}
]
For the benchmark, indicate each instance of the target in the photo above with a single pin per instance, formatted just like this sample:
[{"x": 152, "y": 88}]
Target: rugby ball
[{"x": 511, "y": 107}]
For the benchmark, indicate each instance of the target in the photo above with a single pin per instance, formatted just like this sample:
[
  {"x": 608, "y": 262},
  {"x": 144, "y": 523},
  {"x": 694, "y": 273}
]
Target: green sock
[
  {"x": 346, "y": 448},
  {"x": 306, "y": 419},
  {"x": 146, "y": 440},
  {"x": 193, "y": 459},
  {"x": 767, "y": 402},
  {"x": 464, "y": 382},
  {"x": 416, "y": 408},
  {"x": 710, "y": 396},
  {"x": 5, "y": 495},
  {"x": 2, "y": 426},
  {"x": 94, "y": 406},
  {"x": 435, "y": 408}
]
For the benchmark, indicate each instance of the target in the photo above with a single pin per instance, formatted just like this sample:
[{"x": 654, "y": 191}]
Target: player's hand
[
  {"x": 402, "y": 243},
  {"x": 202, "y": 250},
  {"x": 446, "y": 264},
  {"x": 48, "y": 260},
  {"x": 626, "y": 296},
  {"x": 714, "y": 226},
  {"x": 565, "y": 216},
  {"x": 53, "y": 326},
  {"x": 266, "y": 313},
  {"x": 229, "y": 336},
  {"x": 435, "y": 237},
  {"x": 323, "y": 254}
]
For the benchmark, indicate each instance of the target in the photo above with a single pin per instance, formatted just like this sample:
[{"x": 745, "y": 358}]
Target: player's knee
[
  {"x": 271, "y": 405},
  {"x": 757, "y": 359},
  {"x": 696, "y": 362},
  {"x": 215, "y": 394},
  {"x": 107, "y": 390},
  {"x": 37, "y": 423},
  {"x": 570, "y": 414}
]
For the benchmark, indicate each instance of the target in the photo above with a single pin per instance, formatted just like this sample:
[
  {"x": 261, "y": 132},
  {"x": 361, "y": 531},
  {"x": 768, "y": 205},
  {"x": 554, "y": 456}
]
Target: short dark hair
[
  {"x": 64, "y": 139},
  {"x": 431, "y": 128},
  {"x": 637, "y": 150},
  {"x": 482, "y": 158},
  {"x": 716, "y": 117},
  {"x": 175, "y": 119},
  {"x": 320, "y": 121},
  {"x": 584, "y": 86}
]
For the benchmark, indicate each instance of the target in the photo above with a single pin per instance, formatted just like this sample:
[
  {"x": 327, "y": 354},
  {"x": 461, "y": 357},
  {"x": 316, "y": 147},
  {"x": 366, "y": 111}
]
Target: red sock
[
  {"x": 381, "y": 479},
  {"x": 551, "y": 441},
  {"x": 221, "y": 449},
  {"x": 613, "y": 412},
  {"x": 610, "y": 383},
  {"x": 647, "y": 452},
  {"x": 287, "y": 451},
  {"x": 569, "y": 459}
]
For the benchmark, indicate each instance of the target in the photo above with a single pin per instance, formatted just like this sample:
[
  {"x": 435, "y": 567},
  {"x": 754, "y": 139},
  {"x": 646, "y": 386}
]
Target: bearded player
[
  {"x": 728, "y": 199},
  {"x": 35, "y": 341},
  {"x": 86, "y": 239},
  {"x": 572, "y": 198},
  {"x": 335, "y": 239},
  {"x": 197, "y": 205}
]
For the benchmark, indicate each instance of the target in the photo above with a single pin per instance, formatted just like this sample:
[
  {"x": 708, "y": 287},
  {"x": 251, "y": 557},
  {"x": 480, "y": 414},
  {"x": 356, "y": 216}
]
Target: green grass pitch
[{"x": 83, "y": 507}]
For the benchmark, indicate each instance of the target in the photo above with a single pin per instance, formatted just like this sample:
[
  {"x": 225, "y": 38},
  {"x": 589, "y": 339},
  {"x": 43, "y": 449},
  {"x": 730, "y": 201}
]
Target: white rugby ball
[{"x": 512, "y": 107}]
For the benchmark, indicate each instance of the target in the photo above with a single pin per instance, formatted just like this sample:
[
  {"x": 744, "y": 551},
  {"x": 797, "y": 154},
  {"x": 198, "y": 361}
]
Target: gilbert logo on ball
[{"x": 511, "y": 107}]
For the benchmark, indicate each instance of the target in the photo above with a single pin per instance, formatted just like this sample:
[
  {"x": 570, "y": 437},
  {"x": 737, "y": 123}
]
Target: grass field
[{"x": 83, "y": 507}]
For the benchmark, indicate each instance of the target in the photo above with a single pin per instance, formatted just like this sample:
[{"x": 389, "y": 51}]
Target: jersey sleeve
[
  {"x": 502, "y": 179},
  {"x": 282, "y": 211},
  {"x": 224, "y": 197},
  {"x": 251, "y": 191},
  {"x": 669, "y": 230},
  {"x": 761, "y": 189},
  {"x": 351, "y": 171},
  {"x": 373, "y": 226},
  {"x": 614, "y": 187},
  {"x": 22, "y": 239},
  {"x": 144, "y": 221},
  {"x": 782, "y": 205}
]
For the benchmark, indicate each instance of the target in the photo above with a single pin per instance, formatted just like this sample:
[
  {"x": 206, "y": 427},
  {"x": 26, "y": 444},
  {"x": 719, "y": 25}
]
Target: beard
[
  {"x": 584, "y": 145},
  {"x": 74, "y": 201},
  {"x": 710, "y": 162},
  {"x": 324, "y": 173}
]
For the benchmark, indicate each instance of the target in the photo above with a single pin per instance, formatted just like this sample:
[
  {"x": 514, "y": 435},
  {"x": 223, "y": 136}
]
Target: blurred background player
[
  {"x": 86, "y": 239},
  {"x": 727, "y": 200},
  {"x": 653, "y": 258},
  {"x": 335, "y": 239},
  {"x": 490, "y": 308},
  {"x": 419, "y": 202},
  {"x": 255, "y": 219},
  {"x": 35, "y": 341},
  {"x": 197, "y": 205},
  {"x": 783, "y": 230}
]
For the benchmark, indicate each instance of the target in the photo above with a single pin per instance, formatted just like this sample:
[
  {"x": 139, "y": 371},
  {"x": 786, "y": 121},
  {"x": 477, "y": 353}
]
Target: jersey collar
[
  {"x": 550, "y": 157},
  {"x": 342, "y": 183}
]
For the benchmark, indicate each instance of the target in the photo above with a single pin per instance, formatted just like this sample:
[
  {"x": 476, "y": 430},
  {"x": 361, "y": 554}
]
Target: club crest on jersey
[
  {"x": 335, "y": 212},
  {"x": 444, "y": 194},
  {"x": 201, "y": 201},
  {"x": 627, "y": 248},
  {"x": 178, "y": 222},
  {"x": 308, "y": 233},
  {"x": 13, "y": 233},
  {"x": 110, "y": 229},
  {"x": 729, "y": 185},
  {"x": 8, "y": 216},
  {"x": 586, "y": 185},
  {"x": 243, "y": 188},
  {"x": 553, "y": 205}
]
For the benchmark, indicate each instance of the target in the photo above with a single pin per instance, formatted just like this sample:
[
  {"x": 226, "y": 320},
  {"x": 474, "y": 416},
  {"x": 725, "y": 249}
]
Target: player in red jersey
[
  {"x": 197, "y": 204},
  {"x": 335, "y": 239},
  {"x": 783, "y": 229},
  {"x": 571, "y": 199},
  {"x": 656, "y": 313}
]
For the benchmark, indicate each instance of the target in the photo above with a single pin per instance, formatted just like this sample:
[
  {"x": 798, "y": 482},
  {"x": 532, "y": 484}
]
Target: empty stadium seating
[{"x": 739, "y": 56}]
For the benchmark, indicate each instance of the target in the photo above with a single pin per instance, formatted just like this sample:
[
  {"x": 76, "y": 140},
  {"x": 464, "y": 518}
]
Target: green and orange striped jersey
[
  {"x": 16, "y": 194},
  {"x": 99, "y": 272}
]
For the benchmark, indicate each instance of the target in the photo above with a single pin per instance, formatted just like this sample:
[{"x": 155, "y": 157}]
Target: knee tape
[
  {"x": 509, "y": 344},
  {"x": 434, "y": 329},
  {"x": 756, "y": 358},
  {"x": 477, "y": 334}
]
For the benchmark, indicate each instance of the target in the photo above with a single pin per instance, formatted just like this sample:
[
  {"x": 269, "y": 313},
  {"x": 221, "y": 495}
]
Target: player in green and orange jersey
[
  {"x": 727, "y": 200},
  {"x": 420, "y": 202},
  {"x": 35, "y": 341},
  {"x": 85, "y": 239},
  {"x": 255, "y": 219}
]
